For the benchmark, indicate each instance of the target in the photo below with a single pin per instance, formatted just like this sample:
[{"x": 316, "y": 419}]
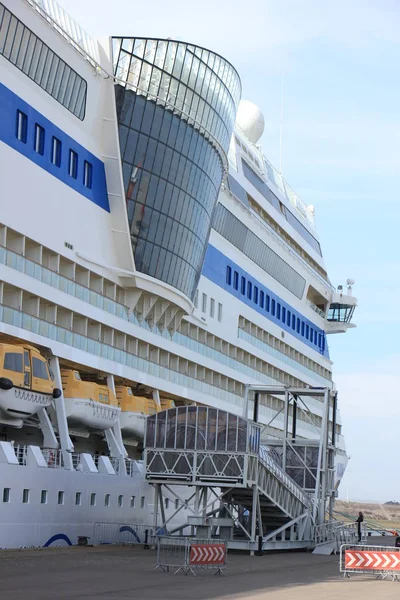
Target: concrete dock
[{"x": 122, "y": 573}]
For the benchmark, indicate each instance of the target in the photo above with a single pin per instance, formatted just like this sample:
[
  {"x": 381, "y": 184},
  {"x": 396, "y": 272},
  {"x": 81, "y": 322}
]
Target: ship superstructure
[{"x": 150, "y": 257}]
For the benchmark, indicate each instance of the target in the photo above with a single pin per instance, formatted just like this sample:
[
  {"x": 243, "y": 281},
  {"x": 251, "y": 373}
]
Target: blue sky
[{"x": 341, "y": 153}]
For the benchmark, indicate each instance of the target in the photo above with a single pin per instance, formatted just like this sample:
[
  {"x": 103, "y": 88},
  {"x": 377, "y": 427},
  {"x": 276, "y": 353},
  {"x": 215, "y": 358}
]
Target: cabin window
[
  {"x": 22, "y": 126},
  {"x": 25, "y": 496},
  {"x": 261, "y": 299},
  {"x": 278, "y": 310},
  {"x": 73, "y": 164},
  {"x": 93, "y": 499},
  {"x": 255, "y": 294},
  {"x": 78, "y": 498},
  {"x": 236, "y": 280},
  {"x": 13, "y": 361},
  {"x": 249, "y": 289},
  {"x": 43, "y": 497},
  {"x": 87, "y": 174},
  {"x": 132, "y": 501},
  {"x": 39, "y": 368},
  {"x": 212, "y": 308},
  {"x": 243, "y": 285},
  {"x": 56, "y": 152},
  {"x": 142, "y": 501},
  {"x": 273, "y": 307},
  {"x": 6, "y": 494},
  {"x": 38, "y": 143},
  {"x": 283, "y": 314},
  {"x": 228, "y": 275},
  {"x": 120, "y": 500},
  {"x": 60, "y": 497},
  {"x": 267, "y": 302},
  {"x": 107, "y": 500}
]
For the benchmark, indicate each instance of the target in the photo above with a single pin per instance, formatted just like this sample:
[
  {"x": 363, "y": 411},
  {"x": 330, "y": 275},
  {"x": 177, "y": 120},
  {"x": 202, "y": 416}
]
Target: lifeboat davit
[
  {"x": 87, "y": 403},
  {"x": 25, "y": 383}
]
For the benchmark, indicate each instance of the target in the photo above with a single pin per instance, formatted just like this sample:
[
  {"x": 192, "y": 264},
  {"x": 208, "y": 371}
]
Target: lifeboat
[
  {"x": 25, "y": 383},
  {"x": 134, "y": 411},
  {"x": 87, "y": 403}
]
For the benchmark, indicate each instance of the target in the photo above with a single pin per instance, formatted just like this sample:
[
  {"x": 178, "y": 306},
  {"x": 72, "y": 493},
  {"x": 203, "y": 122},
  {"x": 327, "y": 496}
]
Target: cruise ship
[{"x": 152, "y": 261}]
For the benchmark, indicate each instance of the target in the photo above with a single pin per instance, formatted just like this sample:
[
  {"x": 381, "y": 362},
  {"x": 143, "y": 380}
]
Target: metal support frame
[
  {"x": 297, "y": 399},
  {"x": 67, "y": 446}
]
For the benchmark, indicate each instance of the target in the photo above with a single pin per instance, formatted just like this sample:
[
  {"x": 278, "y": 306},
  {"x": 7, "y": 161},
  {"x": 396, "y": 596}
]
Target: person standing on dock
[{"x": 359, "y": 520}]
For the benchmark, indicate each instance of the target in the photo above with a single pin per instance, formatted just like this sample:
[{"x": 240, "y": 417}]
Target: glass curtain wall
[{"x": 176, "y": 107}]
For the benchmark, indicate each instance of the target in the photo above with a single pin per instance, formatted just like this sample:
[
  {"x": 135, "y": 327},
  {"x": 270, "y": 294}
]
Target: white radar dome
[{"x": 250, "y": 120}]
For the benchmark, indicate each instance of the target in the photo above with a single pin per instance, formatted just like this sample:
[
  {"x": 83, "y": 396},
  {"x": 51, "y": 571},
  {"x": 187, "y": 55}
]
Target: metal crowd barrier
[
  {"x": 382, "y": 561},
  {"x": 187, "y": 554},
  {"x": 124, "y": 533}
]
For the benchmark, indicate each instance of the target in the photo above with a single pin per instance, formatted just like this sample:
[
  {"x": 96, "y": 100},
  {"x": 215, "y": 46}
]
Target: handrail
[{"x": 66, "y": 26}]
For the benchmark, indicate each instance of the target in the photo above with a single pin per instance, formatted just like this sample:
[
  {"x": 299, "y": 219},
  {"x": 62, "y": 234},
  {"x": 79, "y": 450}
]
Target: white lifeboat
[
  {"x": 25, "y": 383},
  {"x": 88, "y": 404}
]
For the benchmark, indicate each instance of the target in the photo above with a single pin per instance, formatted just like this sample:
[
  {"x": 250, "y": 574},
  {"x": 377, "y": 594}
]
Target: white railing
[
  {"x": 21, "y": 453},
  {"x": 273, "y": 175},
  {"x": 68, "y": 28},
  {"x": 53, "y": 458},
  {"x": 315, "y": 308},
  {"x": 269, "y": 464}
]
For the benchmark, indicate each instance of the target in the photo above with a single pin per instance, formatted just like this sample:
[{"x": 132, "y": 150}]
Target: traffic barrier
[
  {"x": 124, "y": 533},
  {"x": 186, "y": 554},
  {"x": 382, "y": 561}
]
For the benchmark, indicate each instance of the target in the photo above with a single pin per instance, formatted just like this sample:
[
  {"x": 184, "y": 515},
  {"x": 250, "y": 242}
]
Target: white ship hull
[{"x": 106, "y": 273}]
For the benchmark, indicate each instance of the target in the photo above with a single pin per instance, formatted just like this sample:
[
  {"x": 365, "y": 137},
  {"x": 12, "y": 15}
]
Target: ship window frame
[
  {"x": 6, "y": 495},
  {"x": 12, "y": 368},
  {"x": 39, "y": 139},
  {"x": 22, "y": 126},
  {"x": 56, "y": 151}
]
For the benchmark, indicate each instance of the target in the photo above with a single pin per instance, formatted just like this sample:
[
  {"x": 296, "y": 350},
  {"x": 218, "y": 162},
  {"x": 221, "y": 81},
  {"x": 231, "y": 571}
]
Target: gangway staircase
[{"x": 216, "y": 456}]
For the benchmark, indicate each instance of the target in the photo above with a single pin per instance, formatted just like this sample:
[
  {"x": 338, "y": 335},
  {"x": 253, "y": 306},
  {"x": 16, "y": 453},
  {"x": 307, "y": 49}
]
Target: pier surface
[{"x": 122, "y": 573}]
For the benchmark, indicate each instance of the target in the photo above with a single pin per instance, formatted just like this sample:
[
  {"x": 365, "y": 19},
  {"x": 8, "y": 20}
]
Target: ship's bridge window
[
  {"x": 13, "y": 361},
  {"x": 228, "y": 275},
  {"x": 236, "y": 280},
  {"x": 273, "y": 307},
  {"x": 340, "y": 312},
  {"x": 243, "y": 285},
  {"x": 39, "y": 368},
  {"x": 22, "y": 126}
]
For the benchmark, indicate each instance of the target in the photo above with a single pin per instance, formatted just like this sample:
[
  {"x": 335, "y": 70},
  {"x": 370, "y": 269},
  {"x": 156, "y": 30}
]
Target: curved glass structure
[{"x": 176, "y": 107}]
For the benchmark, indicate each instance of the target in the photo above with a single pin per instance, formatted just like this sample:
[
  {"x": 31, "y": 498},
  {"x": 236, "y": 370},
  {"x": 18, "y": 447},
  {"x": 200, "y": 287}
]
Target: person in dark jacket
[{"x": 359, "y": 520}]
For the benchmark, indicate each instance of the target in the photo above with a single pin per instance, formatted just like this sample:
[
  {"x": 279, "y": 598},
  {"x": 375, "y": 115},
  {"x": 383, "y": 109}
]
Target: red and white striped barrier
[
  {"x": 379, "y": 560},
  {"x": 207, "y": 554}
]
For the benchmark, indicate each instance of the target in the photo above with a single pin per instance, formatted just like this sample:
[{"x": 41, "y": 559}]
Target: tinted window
[
  {"x": 13, "y": 362},
  {"x": 39, "y": 368}
]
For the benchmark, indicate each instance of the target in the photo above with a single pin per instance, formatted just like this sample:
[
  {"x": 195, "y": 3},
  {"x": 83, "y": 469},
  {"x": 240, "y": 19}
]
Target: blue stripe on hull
[
  {"x": 215, "y": 269},
  {"x": 10, "y": 103}
]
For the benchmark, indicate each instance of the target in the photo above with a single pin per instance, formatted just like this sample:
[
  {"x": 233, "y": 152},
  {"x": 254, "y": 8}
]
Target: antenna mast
[{"x": 281, "y": 130}]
